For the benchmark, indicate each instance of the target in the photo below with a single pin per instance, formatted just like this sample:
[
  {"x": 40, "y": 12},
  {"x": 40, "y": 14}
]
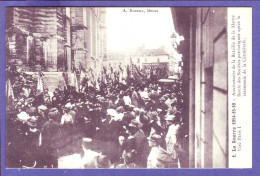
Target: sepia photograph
[{"x": 128, "y": 87}]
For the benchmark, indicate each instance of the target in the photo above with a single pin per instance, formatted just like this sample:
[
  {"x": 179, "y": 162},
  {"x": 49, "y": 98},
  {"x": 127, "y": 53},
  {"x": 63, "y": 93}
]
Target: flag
[
  {"x": 128, "y": 71},
  {"x": 97, "y": 85},
  {"x": 82, "y": 83},
  {"x": 82, "y": 75},
  {"x": 132, "y": 70},
  {"x": 9, "y": 96},
  {"x": 125, "y": 73},
  {"x": 104, "y": 70},
  {"x": 39, "y": 84},
  {"x": 120, "y": 68},
  {"x": 137, "y": 71},
  {"x": 81, "y": 68},
  {"x": 76, "y": 81},
  {"x": 9, "y": 90},
  {"x": 111, "y": 68},
  {"x": 104, "y": 78},
  {"x": 92, "y": 76},
  {"x": 66, "y": 79},
  {"x": 148, "y": 73},
  {"x": 120, "y": 79}
]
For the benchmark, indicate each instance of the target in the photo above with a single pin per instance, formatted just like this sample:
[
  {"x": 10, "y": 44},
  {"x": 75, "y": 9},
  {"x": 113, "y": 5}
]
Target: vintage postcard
[{"x": 127, "y": 87}]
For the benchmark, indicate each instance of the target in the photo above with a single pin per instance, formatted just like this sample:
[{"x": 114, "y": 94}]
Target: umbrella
[{"x": 166, "y": 80}]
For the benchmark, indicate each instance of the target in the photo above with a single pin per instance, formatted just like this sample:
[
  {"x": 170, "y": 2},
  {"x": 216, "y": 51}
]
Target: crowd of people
[{"x": 143, "y": 123}]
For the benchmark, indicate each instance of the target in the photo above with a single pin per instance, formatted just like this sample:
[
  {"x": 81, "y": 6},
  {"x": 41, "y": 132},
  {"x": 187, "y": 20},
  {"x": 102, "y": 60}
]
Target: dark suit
[{"x": 50, "y": 142}]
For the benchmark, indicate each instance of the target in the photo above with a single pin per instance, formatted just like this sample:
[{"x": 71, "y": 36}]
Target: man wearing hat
[
  {"x": 138, "y": 142},
  {"x": 42, "y": 109},
  {"x": 158, "y": 157},
  {"x": 50, "y": 134},
  {"x": 32, "y": 141},
  {"x": 172, "y": 137}
]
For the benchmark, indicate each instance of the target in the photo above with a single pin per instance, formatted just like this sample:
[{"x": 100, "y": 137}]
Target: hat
[
  {"x": 172, "y": 111},
  {"x": 68, "y": 106},
  {"x": 132, "y": 88},
  {"x": 129, "y": 116},
  {"x": 120, "y": 109},
  {"x": 111, "y": 112},
  {"x": 152, "y": 115},
  {"x": 159, "y": 110},
  {"x": 170, "y": 118},
  {"x": 71, "y": 100},
  {"x": 23, "y": 116},
  {"x": 32, "y": 122},
  {"x": 102, "y": 161},
  {"x": 26, "y": 85},
  {"x": 42, "y": 107},
  {"x": 155, "y": 138},
  {"x": 119, "y": 117},
  {"x": 86, "y": 141},
  {"x": 144, "y": 119},
  {"x": 29, "y": 81},
  {"x": 31, "y": 110},
  {"x": 136, "y": 109},
  {"x": 102, "y": 99},
  {"x": 163, "y": 98},
  {"x": 134, "y": 124},
  {"x": 30, "y": 100},
  {"x": 53, "y": 113},
  {"x": 131, "y": 106}
]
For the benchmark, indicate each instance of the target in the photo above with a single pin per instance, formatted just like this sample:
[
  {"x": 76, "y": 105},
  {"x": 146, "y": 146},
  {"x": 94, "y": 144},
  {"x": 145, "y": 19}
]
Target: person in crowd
[
  {"x": 135, "y": 98},
  {"x": 32, "y": 139},
  {"x": 128, "y": 160},
  {"x": 66, "y": 123},
  {"x": 47, "y": 96},
  {"x": 118, "y": 115},
  {"x": 119, "y": 150},
  {"x": 126, "y": 97},
  {"x": 50, "y": 136},
  {"x": 42, "y": 110},
  {"x": 158, "y": 157},
  {"x": 145, "y": 94},
  {"x": 172, "y": 142}
]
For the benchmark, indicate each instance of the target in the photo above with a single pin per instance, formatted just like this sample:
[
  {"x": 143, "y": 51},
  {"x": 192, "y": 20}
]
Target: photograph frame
[{"x": 151, "y": 172}]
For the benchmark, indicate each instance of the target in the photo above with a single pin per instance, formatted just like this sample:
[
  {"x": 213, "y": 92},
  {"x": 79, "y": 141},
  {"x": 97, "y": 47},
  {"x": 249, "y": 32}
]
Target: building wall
[
  {"x": 63, "y": 38},
  {"x": 205, "y": 64},
  {"x": 212, "y": 73},
  {"x": 142, "y": 61}
]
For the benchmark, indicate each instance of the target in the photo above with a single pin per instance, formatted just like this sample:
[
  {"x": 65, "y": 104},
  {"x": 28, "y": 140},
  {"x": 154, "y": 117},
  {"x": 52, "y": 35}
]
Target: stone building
[
  {"x": 144, "y": 58},
  {"x": 56, "y": 39}
]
